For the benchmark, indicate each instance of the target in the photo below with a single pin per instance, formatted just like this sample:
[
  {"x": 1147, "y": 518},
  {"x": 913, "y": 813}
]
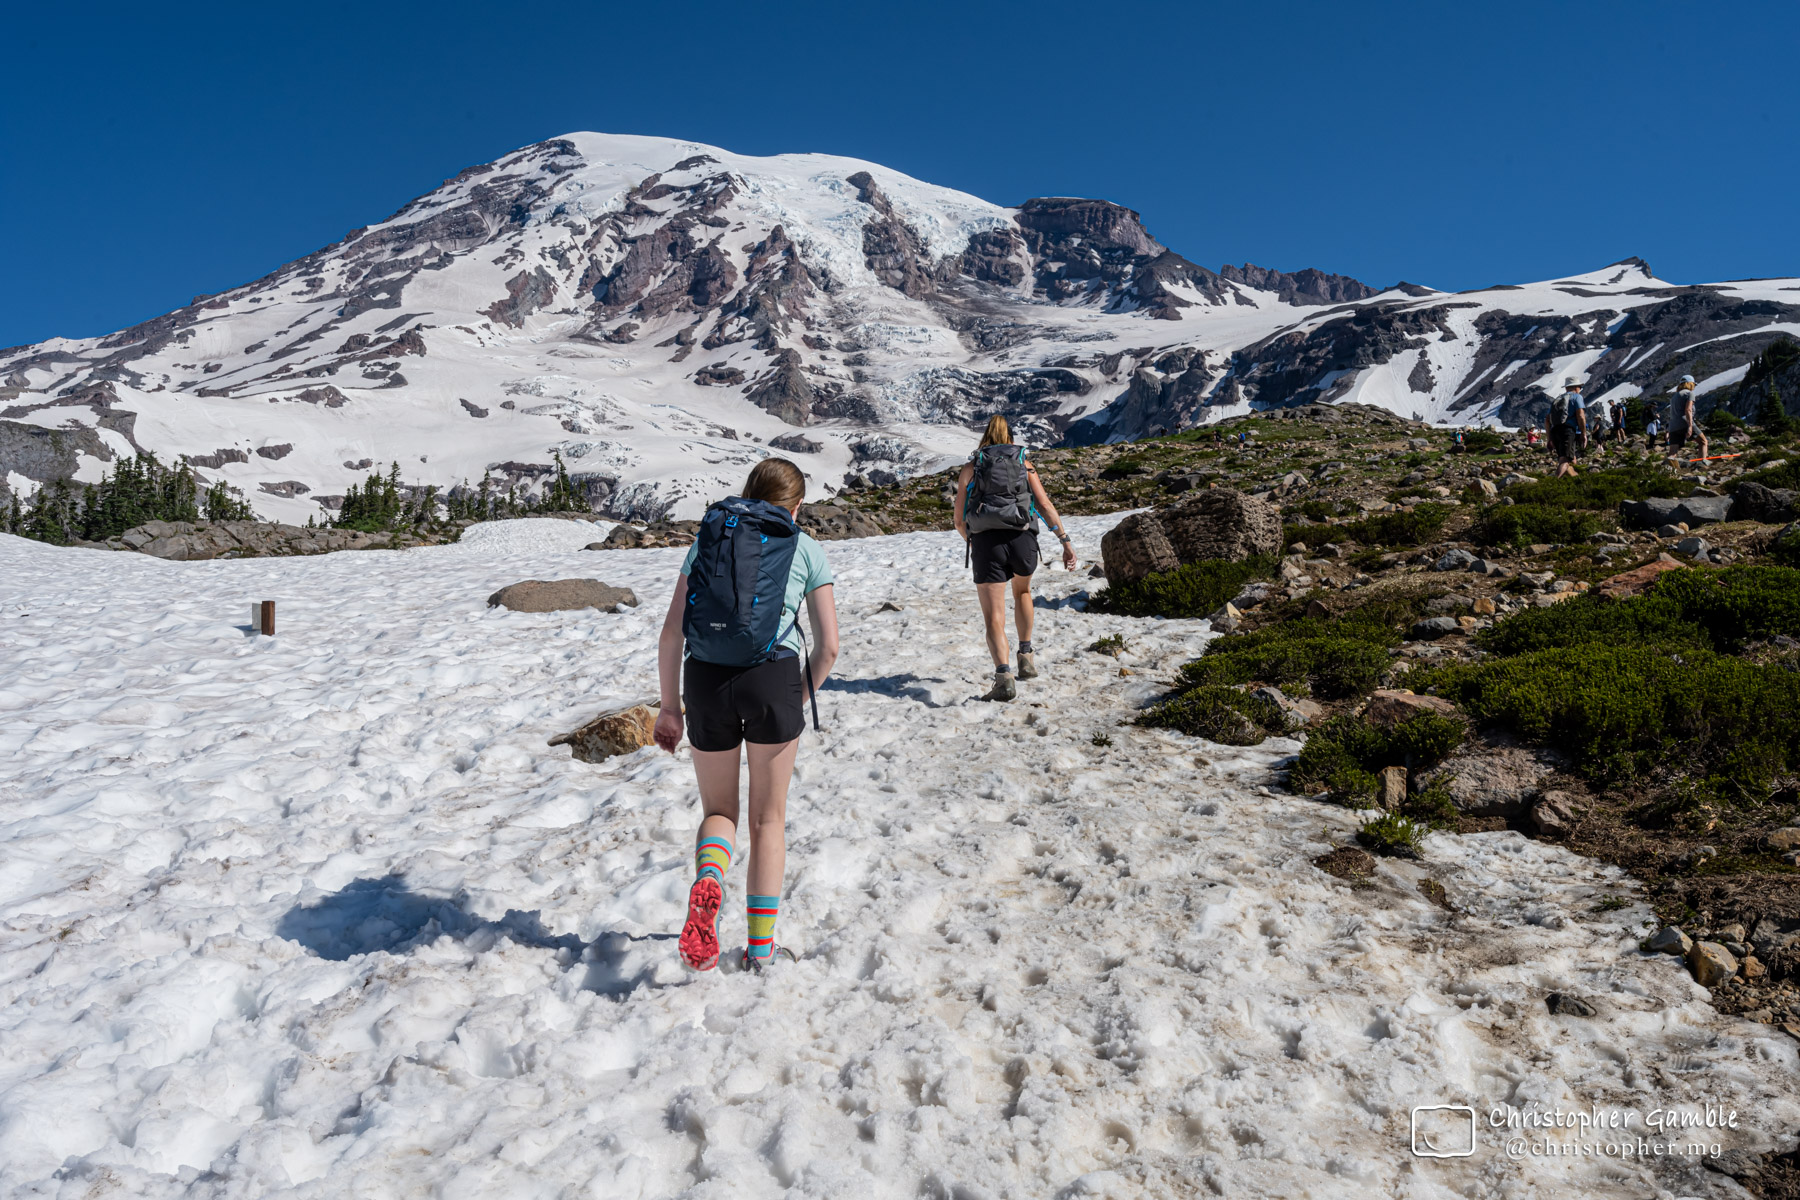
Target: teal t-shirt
[{"x": 808, "y": 573}]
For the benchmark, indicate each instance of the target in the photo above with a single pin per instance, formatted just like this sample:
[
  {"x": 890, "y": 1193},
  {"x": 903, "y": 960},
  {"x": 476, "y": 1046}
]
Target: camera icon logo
[{"x": 1443, "y": 1131}]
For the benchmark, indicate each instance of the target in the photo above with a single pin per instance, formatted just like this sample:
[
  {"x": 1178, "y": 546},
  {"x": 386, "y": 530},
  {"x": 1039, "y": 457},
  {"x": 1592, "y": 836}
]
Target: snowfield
[{"x": 322, "y": 915}]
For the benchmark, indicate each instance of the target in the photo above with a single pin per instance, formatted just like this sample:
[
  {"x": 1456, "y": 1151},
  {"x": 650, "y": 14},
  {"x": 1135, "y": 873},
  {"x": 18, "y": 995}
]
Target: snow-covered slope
[
  {"x": 663, "y": 313},
  {"x": 322, "y": 915}
]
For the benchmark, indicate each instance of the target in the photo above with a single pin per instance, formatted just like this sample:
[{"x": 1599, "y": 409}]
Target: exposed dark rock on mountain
[{"x": 1302, "y": 287}]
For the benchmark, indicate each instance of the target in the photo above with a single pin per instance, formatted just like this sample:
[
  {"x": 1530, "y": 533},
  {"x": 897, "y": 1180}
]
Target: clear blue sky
[{"x": 149, "y": 153}]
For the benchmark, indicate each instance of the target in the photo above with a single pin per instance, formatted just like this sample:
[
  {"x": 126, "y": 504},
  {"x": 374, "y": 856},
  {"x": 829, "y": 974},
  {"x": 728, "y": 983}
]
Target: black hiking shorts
[
  {"x": 1566, "y": 442},
  {"x": 727, "y": 706},
  {"x": 1679, "y": 433},
  {"x": 1001, "y": 555}
]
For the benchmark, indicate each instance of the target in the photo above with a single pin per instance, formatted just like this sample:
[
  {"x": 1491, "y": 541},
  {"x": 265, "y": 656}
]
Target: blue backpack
[{"x": 743, "y": 554}]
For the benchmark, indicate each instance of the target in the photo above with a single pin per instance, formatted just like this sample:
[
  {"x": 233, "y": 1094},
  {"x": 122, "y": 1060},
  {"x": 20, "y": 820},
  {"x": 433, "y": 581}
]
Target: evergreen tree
[
  {"x": 1772, "y": 415},
  {"x": 562, "y": 495},
  {"x": 224, "y": 504}
]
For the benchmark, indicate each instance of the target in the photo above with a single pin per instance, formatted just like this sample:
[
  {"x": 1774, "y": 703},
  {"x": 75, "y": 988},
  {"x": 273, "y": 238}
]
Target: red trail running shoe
[{"x": 700, "y": 936}]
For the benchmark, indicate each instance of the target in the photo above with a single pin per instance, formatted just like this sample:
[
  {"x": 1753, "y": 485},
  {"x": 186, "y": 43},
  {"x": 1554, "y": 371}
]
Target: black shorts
[
  {"x": 1566, "y": 442},
  {"x": 727, "y": 706},
  {"x": 1003, "y": 554},
  {"x": 1679, "y": 433}
]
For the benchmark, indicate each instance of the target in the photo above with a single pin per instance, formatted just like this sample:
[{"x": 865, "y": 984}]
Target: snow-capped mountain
[{"x": 663, "y": 313}]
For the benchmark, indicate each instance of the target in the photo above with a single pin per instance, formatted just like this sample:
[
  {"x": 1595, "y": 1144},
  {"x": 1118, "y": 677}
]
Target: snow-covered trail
[{"x": 322, "y": 915}]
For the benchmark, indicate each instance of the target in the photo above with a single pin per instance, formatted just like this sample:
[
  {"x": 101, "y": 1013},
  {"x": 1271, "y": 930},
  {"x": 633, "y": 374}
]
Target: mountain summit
[{"x": 662, "y": 313}]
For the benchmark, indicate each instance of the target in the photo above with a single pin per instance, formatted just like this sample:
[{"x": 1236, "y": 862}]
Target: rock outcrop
[
  {"x": 1201, "y": 525},
  {"x": 562, "y": 595},
  {"x": 611, "y": 733}
]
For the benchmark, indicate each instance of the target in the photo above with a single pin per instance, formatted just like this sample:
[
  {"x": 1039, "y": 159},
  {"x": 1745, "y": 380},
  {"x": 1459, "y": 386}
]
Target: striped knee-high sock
[
  {"x": 762, "y": 911},
  {"x": 712, "y": 856}
]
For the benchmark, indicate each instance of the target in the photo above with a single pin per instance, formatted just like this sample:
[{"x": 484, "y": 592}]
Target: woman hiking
[
  {"x": 736, "y": 613},
  {"x": 998, "y": 500}
]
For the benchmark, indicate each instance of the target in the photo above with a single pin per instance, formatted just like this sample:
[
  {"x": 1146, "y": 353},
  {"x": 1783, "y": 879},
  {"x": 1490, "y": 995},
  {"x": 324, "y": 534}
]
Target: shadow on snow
[
  {"x": 385, "y": 915},
  {"x": 900, "y": 687}
]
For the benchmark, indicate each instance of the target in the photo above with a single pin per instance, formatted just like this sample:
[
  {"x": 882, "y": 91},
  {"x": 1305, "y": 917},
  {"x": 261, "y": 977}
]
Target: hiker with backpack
[
  {"x": 1618, "y": 422},
  {"x": 744, "y": 682},
  {"x": 1682, "y": 422},
  {"x": 1567, "y": 425},
  {"x": 999, "y": 498}
]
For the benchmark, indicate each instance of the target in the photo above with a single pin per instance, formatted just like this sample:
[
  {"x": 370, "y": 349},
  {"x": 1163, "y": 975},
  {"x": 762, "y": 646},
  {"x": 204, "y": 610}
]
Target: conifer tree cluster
[
  {"x": 138, "y": 489},
  {"x": 486, "y": 502},
  {"x": 382, "y": 505}
]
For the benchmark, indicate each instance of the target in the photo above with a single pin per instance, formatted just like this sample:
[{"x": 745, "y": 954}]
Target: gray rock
[
  {"x": 561, "y": 595},
  {"x": 1773, "y": 506},
  {"x": 1215, "y": 523},
  {"x": 1668, "y": 940},
  {"x": 1784, "y": 840},
  {"x": 1554, "y": 814},
  {"x": 1296, "y": 713},
  {"x": 1492, "y": 781},
  {"x": 831, "y": 522},
  {"x": 1692, "y": 511},
  {"x": 1453, "y": 560},
  {"x": 1563, "y": 1005},
  {"x": 1693, "y": 546},
  {"x": 1432, "y": 628},
  {"x": 1486, "y": 566}
]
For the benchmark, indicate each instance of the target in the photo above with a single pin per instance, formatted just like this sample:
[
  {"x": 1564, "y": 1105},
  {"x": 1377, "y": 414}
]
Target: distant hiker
[
  {"x": 1599, "y": 426},
  {"x": 999, "y": 498},
  {"x": 1459, "y": 447},
  {"x": 1650, "y": 432},
  {"x": 1618, "y": 421},
  {"x": 1567, "y": 426},
  {"x": 1682, "y": 424},
  {"x": 736, "y": 612}
]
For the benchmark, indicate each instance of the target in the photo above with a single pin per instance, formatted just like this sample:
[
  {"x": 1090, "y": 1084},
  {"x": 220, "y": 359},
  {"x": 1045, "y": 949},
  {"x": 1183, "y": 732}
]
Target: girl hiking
[
  {"x": 998, "y": 500},
  {"x": 736, "y": 612}
]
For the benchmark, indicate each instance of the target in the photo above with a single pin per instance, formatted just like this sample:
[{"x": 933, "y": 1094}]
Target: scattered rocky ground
[
  {"x": 185, "y": 541},
  {"x": 1381, "y": 513}
]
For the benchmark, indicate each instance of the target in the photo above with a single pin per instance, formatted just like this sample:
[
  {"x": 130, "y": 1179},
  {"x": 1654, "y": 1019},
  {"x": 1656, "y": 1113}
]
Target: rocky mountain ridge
[{"x": 662, "y": 314}]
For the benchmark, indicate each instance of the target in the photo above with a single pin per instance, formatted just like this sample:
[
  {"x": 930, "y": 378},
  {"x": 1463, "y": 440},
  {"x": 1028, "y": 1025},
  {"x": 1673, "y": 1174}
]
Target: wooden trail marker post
[{"x": 262, "y": 617}]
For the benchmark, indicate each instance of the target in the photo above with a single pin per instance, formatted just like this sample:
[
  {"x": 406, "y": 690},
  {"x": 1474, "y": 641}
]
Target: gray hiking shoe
[
  {"x": 1003, "y": 686},
  {"x": 1027, "y": 665}
]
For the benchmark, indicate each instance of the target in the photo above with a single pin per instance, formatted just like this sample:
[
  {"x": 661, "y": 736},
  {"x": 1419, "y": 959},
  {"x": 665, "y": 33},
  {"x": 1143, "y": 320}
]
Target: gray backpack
[
  {"x": 1562, "y": 410},
  {"x": 999, "y": 495}
]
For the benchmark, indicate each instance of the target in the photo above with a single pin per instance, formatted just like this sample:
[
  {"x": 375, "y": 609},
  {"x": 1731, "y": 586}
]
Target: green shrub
[
  {"x": 1344, "y": 754},
  {"x": 1720, "y": 610},
  {"x": 1188, "y": 591},
  {"x": 1392, "y": 834},
  {"x": 1329, "y": 666},
  {"x": 1787, "y": 475},
  {"x": 1314, "y": 510},
  {"x": 1412, "y": 527},
  {"x": 1786, "y": 547},
  {"x": 1622, "y": 710},
  {"x": 1528, "y": 524},
  {"x": 1722, "y": 421},
  {"x": 1482, "y": 441},
  {"x": 1220, "y": 714},
  {"x": 1601, "y": 491}
]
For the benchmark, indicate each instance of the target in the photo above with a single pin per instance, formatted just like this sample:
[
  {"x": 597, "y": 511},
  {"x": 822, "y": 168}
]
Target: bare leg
[
  {"x": 716, "y": 771},
  {"x": 771, "y": 770},
  {"x": 993, "y": 615},
  {"x": 1023, "y": 613}
]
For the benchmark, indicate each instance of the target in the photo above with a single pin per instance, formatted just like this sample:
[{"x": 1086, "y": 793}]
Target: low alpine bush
[
  {"x": 1411, "y": 527},
  {"x": 1527, "y": 524},
  {"x": 1219, "y": 714},
  {"x": 1623, "y": 710},
  {"x": 1344, "y": 754},
  {"x": 1193, "y": 590},
  {"x": 1392, "y": 834}
]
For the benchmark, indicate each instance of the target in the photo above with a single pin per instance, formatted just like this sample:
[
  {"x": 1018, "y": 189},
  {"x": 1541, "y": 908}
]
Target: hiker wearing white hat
[{"x": 1682, "y": 424}]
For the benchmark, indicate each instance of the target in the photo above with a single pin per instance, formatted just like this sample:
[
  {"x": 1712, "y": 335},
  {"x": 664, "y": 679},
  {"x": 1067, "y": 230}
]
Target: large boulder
[
  {"x": 617, "y": 732},
  {"x": 832, "y": 522},
  {"x": 1772, "y": 506},
  {"x": 1201, "y": 525},
  {"x": 560, "y": 595},
  {"x": 1692, "y": 512},
  {"x": 1492, "y": 780}
]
